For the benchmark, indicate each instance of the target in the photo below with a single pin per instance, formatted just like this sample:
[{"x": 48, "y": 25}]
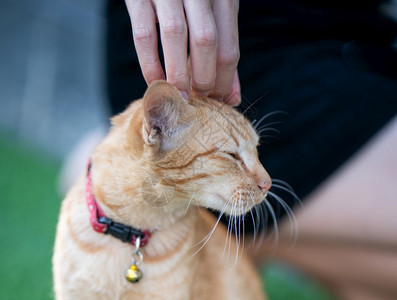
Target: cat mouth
[{"x": 236, "y": 205}]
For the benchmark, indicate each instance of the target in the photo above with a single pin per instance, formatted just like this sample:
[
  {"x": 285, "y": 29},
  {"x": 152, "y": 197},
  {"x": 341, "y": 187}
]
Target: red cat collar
[{"x": 101, "y": 223}]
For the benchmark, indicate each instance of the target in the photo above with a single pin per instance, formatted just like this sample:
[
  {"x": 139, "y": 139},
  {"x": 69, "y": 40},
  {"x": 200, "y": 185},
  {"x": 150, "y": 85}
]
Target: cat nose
[
  {"x": 264, "y": 181},
  {"x": 261, "y": 177},
  {"x": 265, "y": 185}
]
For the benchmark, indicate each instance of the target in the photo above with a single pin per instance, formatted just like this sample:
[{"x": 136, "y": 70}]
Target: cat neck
[
  {"x": 130, "y": 199},
  {"x": 179, "y": 237},
  {"x": 171, "y": 233},
  {"x": 176, "y": 237}
]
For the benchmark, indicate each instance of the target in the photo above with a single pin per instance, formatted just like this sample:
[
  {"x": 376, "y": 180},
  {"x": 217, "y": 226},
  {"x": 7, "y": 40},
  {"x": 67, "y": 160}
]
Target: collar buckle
[{"x": 120, "y": 231}]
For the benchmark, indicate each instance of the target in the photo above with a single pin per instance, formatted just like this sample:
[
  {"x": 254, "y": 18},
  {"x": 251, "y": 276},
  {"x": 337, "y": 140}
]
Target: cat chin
[
  {"x": 238, "y": 211},
  {"x": 231, "y": 208}
]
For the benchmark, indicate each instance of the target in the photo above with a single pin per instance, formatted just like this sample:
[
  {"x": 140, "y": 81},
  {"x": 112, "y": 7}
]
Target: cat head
[{"x": 178, "y": 153}]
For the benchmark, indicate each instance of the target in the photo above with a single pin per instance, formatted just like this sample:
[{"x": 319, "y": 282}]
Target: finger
[
  {"x": 203, "y": 45},
  {"x": 234, "y": 97},
  {"x": 143, "y": 22},
  {"x": 173, "y": 30},
  {"x": 225, "y": 12}
]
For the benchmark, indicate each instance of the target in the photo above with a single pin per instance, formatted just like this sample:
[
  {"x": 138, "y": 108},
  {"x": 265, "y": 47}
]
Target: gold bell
[{"x": 133, "y": 274}]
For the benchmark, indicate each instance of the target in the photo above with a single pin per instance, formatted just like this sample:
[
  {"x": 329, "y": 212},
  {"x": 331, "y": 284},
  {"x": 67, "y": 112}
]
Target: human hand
[{"x": 212, "y": 28}]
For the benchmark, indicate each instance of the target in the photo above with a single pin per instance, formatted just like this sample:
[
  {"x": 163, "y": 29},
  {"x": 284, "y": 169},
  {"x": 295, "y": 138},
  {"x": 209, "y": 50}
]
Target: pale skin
[{"x": 212, "y": 31}]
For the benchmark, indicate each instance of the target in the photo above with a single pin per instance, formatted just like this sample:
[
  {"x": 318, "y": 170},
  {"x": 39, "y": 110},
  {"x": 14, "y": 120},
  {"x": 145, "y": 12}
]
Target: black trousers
[{"x": 331, "y": 69}]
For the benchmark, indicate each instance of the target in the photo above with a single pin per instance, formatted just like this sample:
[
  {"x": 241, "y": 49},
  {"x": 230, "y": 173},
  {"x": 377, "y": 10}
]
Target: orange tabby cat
[{"x": 163, "y": 159}]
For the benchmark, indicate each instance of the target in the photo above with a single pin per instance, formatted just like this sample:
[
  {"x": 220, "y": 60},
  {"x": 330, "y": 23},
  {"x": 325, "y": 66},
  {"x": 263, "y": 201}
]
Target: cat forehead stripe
[
  {"x": 170, "y": 181},
  {"x": 203, "y": 154},
  {"x": 234, "y": 139}
]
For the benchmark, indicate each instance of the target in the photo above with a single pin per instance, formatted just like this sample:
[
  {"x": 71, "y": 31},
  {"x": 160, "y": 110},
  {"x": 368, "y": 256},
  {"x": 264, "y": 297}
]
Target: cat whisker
[
  {"x": 267, "y": 116},
  {"x": 254, "y": 227},
  {"x": 188, "y": 204},
  {"x": 270, "y": 210},
  {"x": 240, "y": 245},
  {"x": 290, "y": 214},
  {"x": 284, "y": 205},
  {"x": 226, "y": 239},
  {"x": 282, "y": 182},
  {"x": 255, "y": 224},
  {"x": 254, "y": 102},
  {"x": 238, "y": 220},
  {"x": 263, "y": 137},
  {"x": 236, "y": 238},
  {"x": 261, "y": 215},
  {"x": 243, "y": 230},
  {"x": 205, "y": 240},
  {"x": 259, "y": 132},
  {"x": 230, "y": 231},
  {"x": 282, "y": 185},
  {"x": 267, "y": 125}
]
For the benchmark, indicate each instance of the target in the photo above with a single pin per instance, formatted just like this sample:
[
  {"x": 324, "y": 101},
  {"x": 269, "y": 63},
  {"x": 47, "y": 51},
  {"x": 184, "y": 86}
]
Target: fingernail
[
  {"x": 233, "y": 99},
  {"x": 185, "y": 95}
]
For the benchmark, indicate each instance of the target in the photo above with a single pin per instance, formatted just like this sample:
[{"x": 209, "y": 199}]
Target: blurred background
[
  {"x": 52, "y": 95},
  {"x": 51, "y": 84}
]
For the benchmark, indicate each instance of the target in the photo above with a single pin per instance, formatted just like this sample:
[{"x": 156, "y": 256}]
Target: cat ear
[{"x": 166, "y": 112}]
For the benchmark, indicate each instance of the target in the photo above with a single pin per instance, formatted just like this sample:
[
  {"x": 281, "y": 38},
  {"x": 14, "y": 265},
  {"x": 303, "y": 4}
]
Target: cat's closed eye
[{"x": 234, "y": 155}]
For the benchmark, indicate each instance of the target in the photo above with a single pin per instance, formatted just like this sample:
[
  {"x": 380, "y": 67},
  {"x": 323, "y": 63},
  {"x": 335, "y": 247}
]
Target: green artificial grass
[
  {"x": 284, "y": 282},
  {"x": 29, "y": 208}
]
